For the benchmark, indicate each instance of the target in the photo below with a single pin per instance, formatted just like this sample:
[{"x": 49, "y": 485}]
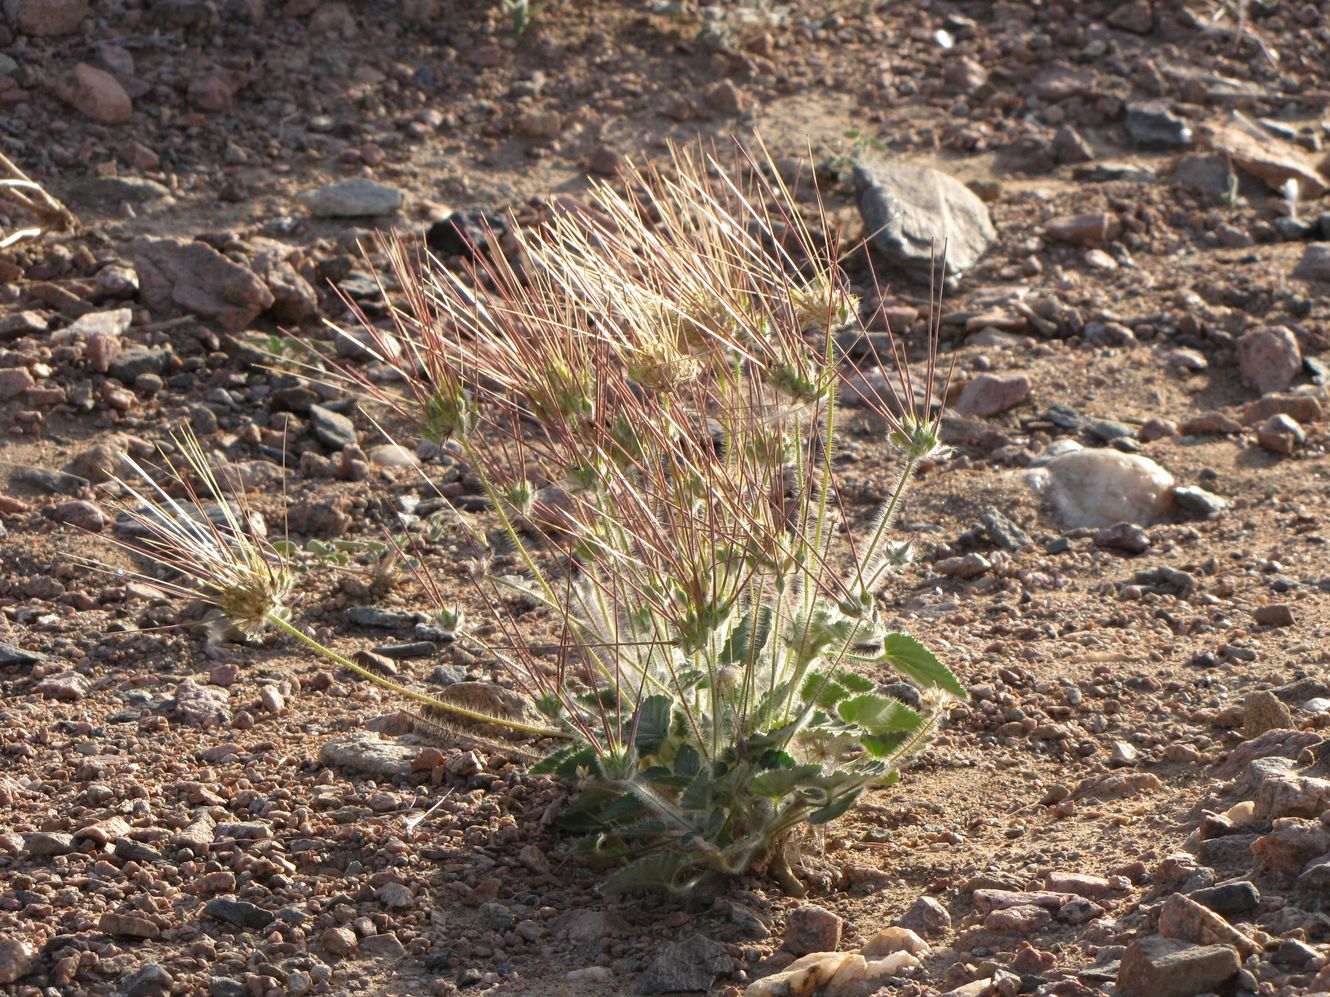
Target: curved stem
[{"x": 401, "y": 690}]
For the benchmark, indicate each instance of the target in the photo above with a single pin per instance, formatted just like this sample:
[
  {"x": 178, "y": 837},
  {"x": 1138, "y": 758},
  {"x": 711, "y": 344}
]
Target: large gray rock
[
  {"x": 364, "y": 751},
  {"x": 689, "y": 965},
  {"x": 912, "y": 211},
  {"x": 1163, "y": 967}
]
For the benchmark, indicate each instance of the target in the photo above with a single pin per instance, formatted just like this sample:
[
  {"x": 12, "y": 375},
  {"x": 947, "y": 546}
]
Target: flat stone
[
  {"x": 989, "y": 394},
  {"x": 1269, "y": 358},
  {"x": 241, "y": 913},
  {"x": 1272, "y": 159},
  {"x": 102, "y": 192},
  {"x": 385, "y": 944},
  {"x": 43, "y": 844},
  {"x": 1315, "y": 263},
  {"x": 911, "y": 211},
  {"x": 365, "y": 751},
  {"x": 200, "y": 704},
  {"x": 127, "y": 925},
  {"x": 1166, "y": 967},
  {"x": 803, "y": 977},
  {"x": 1290, "y": 845},
  {"x": 1229, "y": 899},
  {"x": 688, "y": 965},
  {"x": 68, "y": 687},
  {"x": 925, "y": 917},
  {"x": 355, "y": 198},
  {"x": 182, "y": 275},
  {"x": 1151, "y": 125}
]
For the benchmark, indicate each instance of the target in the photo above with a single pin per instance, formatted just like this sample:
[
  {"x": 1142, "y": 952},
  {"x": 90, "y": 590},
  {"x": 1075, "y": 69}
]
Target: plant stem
[{"x": 401, "y": 690}]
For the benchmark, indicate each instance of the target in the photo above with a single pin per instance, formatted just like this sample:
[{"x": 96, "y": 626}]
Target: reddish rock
[
  {"x": 1302, "y": 408},
  {"x": 1280, "y": 434},
  {"x": 1019, "y": 920},
  {"x": 215, "y": 91},
  {"x": 127, "y": 925},
  {"x": 177, "y": 274},
  {"x": 989, "y": 394},
  {"x": 1136, "y": 16},
  {"x": 1210, "y": 424},
  {"x": 1163, "y": 967},
  {"x": 14, "y": 381},
  {"x": 67, "y": 687},
  {"x": 1272, "y": 159},
  {"x": 47, "y": 17},
  {"x": 1292, "y": 843},
  {"x": 1269, "y": 358},
  {"x": 80, "y": 515},
  {"x": 95, "y": 94},
  {"x": 812, "y": 929},
  {"x": 1096, "y": 229},
  {"x": 1093, "y": 887}
]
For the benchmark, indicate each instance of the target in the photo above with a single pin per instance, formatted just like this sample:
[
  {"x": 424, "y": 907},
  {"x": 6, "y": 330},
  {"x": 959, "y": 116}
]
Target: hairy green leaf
[{"x": 912, "y": 659}]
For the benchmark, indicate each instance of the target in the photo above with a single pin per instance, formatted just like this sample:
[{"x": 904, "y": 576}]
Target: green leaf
[
  {"x": 773, "y": 759},
  {"x": 655, "y": 871},
  {"x": 879, "y": 714},
  {"x": 883, "y": 745},
  {"x": 687, "y": 762},
  {"x": 564, "y": 762},
  {"x": 743, "y": 646},
  {"x": 912, "y": 659},
  {"x": 776, "y": 783},
  {"x": 653, "y": 723},
  {"x": 835, "y": 808}
]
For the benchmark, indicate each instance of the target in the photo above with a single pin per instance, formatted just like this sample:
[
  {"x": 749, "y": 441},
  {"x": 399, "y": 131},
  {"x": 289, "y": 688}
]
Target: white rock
[
  {"x": 1098, "y": 488},
  {"x": 591, "y": 974},
  {"x": 392, "y": 455}
]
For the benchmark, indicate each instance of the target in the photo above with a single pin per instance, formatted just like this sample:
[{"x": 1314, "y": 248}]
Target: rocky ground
[{"x": 1125, "y": 561}]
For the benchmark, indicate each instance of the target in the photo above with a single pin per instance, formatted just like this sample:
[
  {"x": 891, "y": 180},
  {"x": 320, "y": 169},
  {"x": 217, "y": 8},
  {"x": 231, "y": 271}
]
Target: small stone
[
  {"x": 1276, "y": 615},
  {"x": 1165, "y": 967},
  {"x": 989, "y": 394},
  {"x": 241, "y": 913},
  {"x": 80, "y": 515},
  {"x": 812, "y": 929},
  {"x": 1085, "y": 230},
  {"x": 1263, "y": 712},
  {"x": 16, "y": 959},
  {"x": 1289, "y": 795},
  {"x": 1315, "y": 262},
  {"x": 395, "y": 895},
  {"x": 272, "y": 699},
  {"x": 1136, "y": 16},
  {"x": 182, "y": 275},
  {"x": 1301, "y": 408},
  {"x": 355, "y": 198},
  {"x": 1019, "y": 920},
  {"x": 127, "y": 925},
  {"x": 897, "y": 939},
  {"x": 1198, "y": 503},
  {"x": 392, "y": 455},
  {"x": 688, "y": 965},
  {"x": 201, "y": 705},
  {"x": 14, "y": 381},
  {"x": 971, "y": 565},
  {"x": 927, "y": 917},
  {"x": 1280, "y": 434},
  {"x": 386, "y": 944},
  {"x": 340, "y": 942},
  {"x": 803, "y": 977},
  {"x": 47, "y": 17},
  {"x": 1091, "y": 887},
  {"x": 151, "y": 980},
  {"x": 365, "y": 751},
  {"x": 42, "y": 844},
  {"x": 1269, "y": 358},
  {"x": 1151, "y": 125},
  {"x": 68, "y": 687},
  {"x": 913, "y": 210},
  {"x": 1293, "y": 842},
  {"x": 334, "y": 430},
  {"x": 1126, "y": 537},
  {"x": 95, "y": 94}
]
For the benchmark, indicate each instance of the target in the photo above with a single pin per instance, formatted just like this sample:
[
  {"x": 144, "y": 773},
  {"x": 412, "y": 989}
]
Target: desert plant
[
  {"x": 647, "y": 391},
  {"x": 32, "y": 199}
]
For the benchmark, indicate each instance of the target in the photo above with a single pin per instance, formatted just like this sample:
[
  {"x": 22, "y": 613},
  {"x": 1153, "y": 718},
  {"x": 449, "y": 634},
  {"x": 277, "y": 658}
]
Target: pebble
[
  {"x": 95, "y": 94},
  {"x": 1264, "y": 712},
  {"x": 1269, "y": 358},
  {"x": 334, "y": 430},
  {"x": 989, "y": 394},
  {"x": 812, "y": 929},
  {"x": 16, "y": 959},
  {"x": 691, "y": 964},
  {"x": 241, "y": 913},
  {"x": 178, "y": 274},
  {"x": 925, "y": 917},
  {"x": 47, "y": 17},
  {"x": 67, "y": 687},
  {"x": 355, "y": 198},
  {"x": 1280, "y": 434},
  {"x": 127, "y": 925},
  {"x": 1151, "y": 125}
]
